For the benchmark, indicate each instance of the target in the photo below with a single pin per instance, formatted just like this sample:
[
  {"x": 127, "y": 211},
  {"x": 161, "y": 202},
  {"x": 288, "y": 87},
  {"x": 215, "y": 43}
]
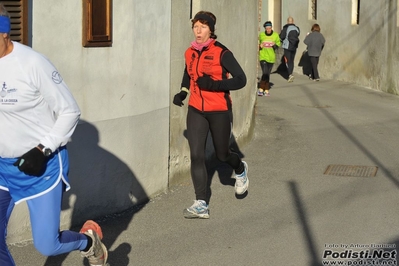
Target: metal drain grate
[
  {"x": 351, "y": 170},
  {"x": 315, "y": 106}
]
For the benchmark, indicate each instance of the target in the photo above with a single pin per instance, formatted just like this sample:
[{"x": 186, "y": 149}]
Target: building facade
[{"x": 361, "y": 38}]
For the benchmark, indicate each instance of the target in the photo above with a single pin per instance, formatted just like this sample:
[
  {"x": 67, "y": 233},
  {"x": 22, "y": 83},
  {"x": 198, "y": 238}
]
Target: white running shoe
[
  {"x": 198, "y": 210},
  {"x": 97, "y": 254},
  {"x": 242, "y": 181}
]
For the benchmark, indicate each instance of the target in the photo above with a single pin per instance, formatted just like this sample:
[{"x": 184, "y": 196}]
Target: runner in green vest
[{"x": 269, "y": 41}]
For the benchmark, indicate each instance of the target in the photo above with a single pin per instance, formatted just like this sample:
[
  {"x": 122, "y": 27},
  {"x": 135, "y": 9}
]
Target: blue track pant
[{"x": 45, "y": 221}]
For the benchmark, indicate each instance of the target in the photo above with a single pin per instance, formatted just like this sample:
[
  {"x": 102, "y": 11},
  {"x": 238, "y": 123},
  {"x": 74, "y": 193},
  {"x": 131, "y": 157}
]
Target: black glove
[
  {"x": 32, "y": 163},
  {"x": 179, "y": 98},
  {"x": 275, "y": 47},
  {"x": 207, "y": 83}
]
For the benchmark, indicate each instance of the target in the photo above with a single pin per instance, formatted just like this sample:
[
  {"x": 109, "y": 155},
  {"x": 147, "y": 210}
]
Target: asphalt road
[{"x": 293, "y": 214}]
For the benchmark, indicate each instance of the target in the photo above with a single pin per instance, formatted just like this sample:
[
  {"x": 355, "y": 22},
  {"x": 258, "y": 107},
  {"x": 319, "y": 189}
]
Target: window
[
  {"x": 355, "y": 12},
  {"x": 18, "y": 10},
  {"x": 313, "y": 9},
  {"x": 97, "y": 23}
]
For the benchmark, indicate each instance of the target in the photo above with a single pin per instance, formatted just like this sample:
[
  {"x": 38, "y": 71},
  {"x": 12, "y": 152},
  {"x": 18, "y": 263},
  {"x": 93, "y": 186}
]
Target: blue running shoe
[{"x": 198, "y": 210}]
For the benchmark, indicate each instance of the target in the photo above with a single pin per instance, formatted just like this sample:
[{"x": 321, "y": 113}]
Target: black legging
[
  {"x": 198, "y": 125},
  {"x": 315, "y": 72},
  {"x": 266, "y": 70},
  {"x": 289, "y": 60}
]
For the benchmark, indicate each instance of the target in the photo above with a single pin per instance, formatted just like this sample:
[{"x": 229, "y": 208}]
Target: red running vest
[{"x": 207, "y": 62}]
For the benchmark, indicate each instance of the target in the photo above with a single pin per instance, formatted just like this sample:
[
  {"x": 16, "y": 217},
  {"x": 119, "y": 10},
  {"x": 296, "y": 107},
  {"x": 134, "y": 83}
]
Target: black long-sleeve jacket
[{"x": 289, "y": 36}]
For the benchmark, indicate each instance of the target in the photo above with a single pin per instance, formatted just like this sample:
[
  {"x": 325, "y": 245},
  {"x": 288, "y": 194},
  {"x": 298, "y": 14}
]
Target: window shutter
[
  {"x": 97, "y": 23},
  {"x": 19, "y": 19}
]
